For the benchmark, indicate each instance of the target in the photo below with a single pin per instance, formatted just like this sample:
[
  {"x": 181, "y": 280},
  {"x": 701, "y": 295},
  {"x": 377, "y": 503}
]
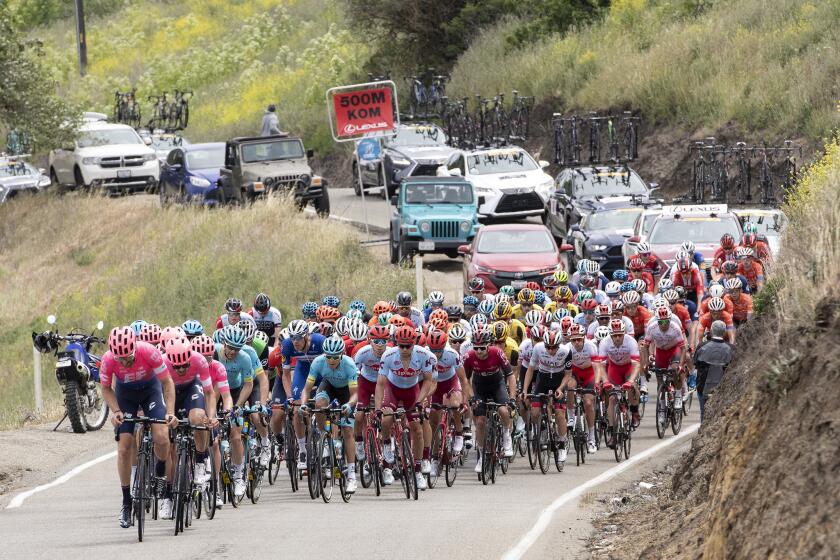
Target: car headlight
[
  {"x": 425, "y": 227},
  {"x": 485, "y": 190},
  {"x": 465, "y": 226},
  {"x": 149, "y": 157},
  {"x": 400, "y": 162},
  {"x": 44, "y": 181},
  {"x": 91, "y": 160},
  {"x": 598, "y": 247},
  {"x": 199, "y": 182},
  {"x": 548, "y": 185},
  {"x": 316, "y": 180},
  {"x": 484, "y": 269}
]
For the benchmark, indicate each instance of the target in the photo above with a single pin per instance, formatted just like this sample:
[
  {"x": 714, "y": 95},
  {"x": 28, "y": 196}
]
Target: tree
[{"x": 28, "y": 101}]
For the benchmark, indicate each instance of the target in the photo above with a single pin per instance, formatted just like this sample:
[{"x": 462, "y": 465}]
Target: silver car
[{"x": 18, "y": 176}]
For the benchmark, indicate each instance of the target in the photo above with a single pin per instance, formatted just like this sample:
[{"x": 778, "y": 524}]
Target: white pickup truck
[{"x": 109, "y": 156}]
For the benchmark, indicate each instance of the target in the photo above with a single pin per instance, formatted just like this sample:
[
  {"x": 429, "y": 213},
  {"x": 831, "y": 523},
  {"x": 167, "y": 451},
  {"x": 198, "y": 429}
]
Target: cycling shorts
[
  {"x": 584, "y": 377},
  {"x": 663, "y": 358},
  {"x": 131, "y": 397},
  {"x": 255, "y": 393},
  {"x": 446, "y": 388},
  {"x": 298, "y": 383},
  {"x": 396, "y": 397},
  {"x": 366, "y": 389},
  {"x": 618, "y": 374},
  {"x": 234, "y": 394},
  {"x": 278, "y": 392},
  {"x": 188, "y": 397},
  {"x": 496, "y": 392},
  {"x": 330, "y": 392},
  {"x": 547, "y": 383}
]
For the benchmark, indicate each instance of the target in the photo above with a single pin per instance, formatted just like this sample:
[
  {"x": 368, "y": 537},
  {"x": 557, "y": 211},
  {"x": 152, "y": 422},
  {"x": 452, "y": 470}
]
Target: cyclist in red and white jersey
[
  {"x": 687, "y": 274},
  {"x": 669, "y": 345},
  {"x": 134, "y": 376},
  {"x": 726, "y": 252},
  {"x": 451, "y": 385},
  {"x": 618, "y": 363},
  {"x": 584, "y": 353},
  {"x": 368, "y": 359}
]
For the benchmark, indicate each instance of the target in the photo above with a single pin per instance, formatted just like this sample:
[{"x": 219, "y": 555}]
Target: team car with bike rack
[
  {"x": 18, "y": 176},
  {"x": 704, "y": 224},
  {"x": 508, "y": 182}
]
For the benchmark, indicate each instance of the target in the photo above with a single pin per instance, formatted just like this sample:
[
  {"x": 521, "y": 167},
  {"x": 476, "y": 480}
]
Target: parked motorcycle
[{"x": 77, "y": 371}]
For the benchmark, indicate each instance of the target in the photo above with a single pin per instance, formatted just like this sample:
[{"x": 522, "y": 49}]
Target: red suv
[{"x": 512, "y": 254}]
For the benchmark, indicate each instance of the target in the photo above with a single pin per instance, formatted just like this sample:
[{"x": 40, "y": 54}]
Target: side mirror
[
  {"x": 174, "y": 166},
  {"x": 566, "y": 248},
  {"x": 100, "y": 325},
  {"x": 310, "y": 153},
  {"x": 394, "y": 199},
  {"x": 51, "y": 319},
  {"x": 634, "y": 239},
  {"x": 463, "y": 249},
  {"x": 544, "y": 164},
  {"x": 147, "y": 140},
  {"x": 654, "y": 186},
  {"x": 455, "y": 172}
]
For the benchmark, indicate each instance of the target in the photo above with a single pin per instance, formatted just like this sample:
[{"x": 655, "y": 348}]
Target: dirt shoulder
[{"x": 34, "y": 455}]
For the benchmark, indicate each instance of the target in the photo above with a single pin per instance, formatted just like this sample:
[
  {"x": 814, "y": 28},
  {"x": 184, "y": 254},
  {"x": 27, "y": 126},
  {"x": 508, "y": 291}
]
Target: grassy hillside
[
  {"x": 86, "y": 260},
  {"x": 237, "y": 56},
  {"x": 766, "y": 66}
]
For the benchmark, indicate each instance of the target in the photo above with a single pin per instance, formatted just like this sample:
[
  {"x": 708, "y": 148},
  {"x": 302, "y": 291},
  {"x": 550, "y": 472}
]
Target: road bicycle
[
  {"x": 594, "y": 134},
  {"x": 765, "y": 176},
  {"x": 254, "y": 470},
  {"x": 520, "y": 116},
  {"x": 492, "y": 452},
  {"x": 557, "y": 123},
  {"x": 418, "y": 98},
  {"x": 613, "y": 146},
  {"x": 602, "y": 425},
  {"x": 400, "y": 442},
  {"x": 144, "y": 495},
  {"x": 18, "y": 142},
  {"x": 630, "y": 135},
  {"x": 580, "y": 428},
  {"x": 292, "y": 451},
  {"x": 160, "y": 111},
  {"x": 179, "y": 111},
  {"x": 668, "y": 410},
  {"x": 789, "y": 168},
  {"x": 370, "y": 468},
  {"x": 744, "y": 177},
  {"x": 623, "y": 427},
  {"x": 545, "y": 438},
  {"x": 126, "y": 108},
  {"x": 443, "y": 455},
  {"x": 333, "y": 466},
  {"x": 186, "y": 495}
]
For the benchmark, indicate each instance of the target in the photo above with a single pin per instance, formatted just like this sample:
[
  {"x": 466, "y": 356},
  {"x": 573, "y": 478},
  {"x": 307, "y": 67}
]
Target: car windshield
[
  {"x": 500, "y": 161},
  {"x": 431, "y": 193},
  {"x": 269, "y": 151},
  {"x": 513, "y": 241},
  {"x": 668, "y": 231},
  {"x": 418, "y": 136},
  {"x": 607, "y": 182},
  {"x": 92, "y": 138},
  {"x": 19, "y": 169},
  {"x": 622, "y": 218},
  {"x": 207, "y": 158}
]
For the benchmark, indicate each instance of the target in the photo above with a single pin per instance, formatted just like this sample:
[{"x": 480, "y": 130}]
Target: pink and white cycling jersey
[
  {"x": 664, "y": 340},
  {"x": 147, "y": 364},
  {"x": 422, "y": 361},
  {"x": 584, "y": 358},
  {"x": 623, "y": 354},
  {"x": 218, "y": 374},
  {"x": 367, "y": 363},
  {"x": 675, "y": 320},
  {"x": 526, "y": 350},
  {"x": 198, "y": 368},
  {"x": 544, "y": 362},
  {"x": 593, "y": 326},
  {"x": 446, "y": 365}
]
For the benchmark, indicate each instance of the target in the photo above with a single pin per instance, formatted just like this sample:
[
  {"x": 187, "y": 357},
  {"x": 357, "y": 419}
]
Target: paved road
[{"x": 79, "y": 518}]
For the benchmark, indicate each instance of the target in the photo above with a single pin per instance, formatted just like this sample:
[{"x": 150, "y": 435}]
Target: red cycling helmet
[
  {"x": 748, "y": 240},
  {"x": 636, "y": 264},
  {"x": 577, "y": 331},
  {"x": 397, "y": 320},
  {"x": 727, "y": 241},
  {"x": 379, "y": 332},
  {"x": 381, "y": 307},
  {"x": 439, "y": 313},
  {"x": 533, "y": 286},
  {"x": 122, "y": 342},
  {"x": 566, "y": 323},
  {"x": 588, "y": 305},
  {"x": 204, "y": 345},
  {"x": 482, "y": 336},
  {"x": 663, "y": 313},
  {"x": 179, "y": 351},
  {"x": 617, "y": 326},
  {"x": 405, "y": 335},
  {"x": 436, "y": 340}
]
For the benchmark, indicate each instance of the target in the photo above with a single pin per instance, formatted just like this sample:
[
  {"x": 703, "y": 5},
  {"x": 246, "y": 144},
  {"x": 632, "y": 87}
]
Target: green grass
[
  {"x": 768, "y": 66},
  {"x": 237, "y": 56},
  {"x": 163, "y": 266}
]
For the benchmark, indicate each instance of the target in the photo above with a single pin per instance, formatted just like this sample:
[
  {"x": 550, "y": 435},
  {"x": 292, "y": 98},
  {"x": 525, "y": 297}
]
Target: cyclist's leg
[
  {"x": 237, "y": 448},
  {"x": 278, "y": 415},
  {"x": 198, "y": 417}
]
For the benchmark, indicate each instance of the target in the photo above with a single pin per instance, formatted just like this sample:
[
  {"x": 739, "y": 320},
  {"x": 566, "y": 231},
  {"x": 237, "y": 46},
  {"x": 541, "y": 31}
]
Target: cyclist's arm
[
  {"x": 262, "y": 380},
  {"x": 427, "y": 387},
  {"x": 110, "y": 399},
  {"x": 286, "y": 379},
  {"x": 379, "y": 393},
  {"x": 245, "y": 392},
  {"x": 465, "y": 384},
  {"x": 227, "y": 402},
  {"x": 529, "y": 374},
  {"x": 304, "y": 394}
]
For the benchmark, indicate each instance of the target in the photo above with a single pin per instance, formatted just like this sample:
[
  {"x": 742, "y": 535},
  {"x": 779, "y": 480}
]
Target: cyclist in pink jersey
[
  {"x": 134, "y": 376},
  {"x": 618, "y": 363}
]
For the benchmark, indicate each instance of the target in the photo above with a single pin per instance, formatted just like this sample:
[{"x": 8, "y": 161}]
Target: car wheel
[
  {"x": 79, "y": 179},
  {"x": 322, "y": 204},
  {"x": 393, "y": 248}
]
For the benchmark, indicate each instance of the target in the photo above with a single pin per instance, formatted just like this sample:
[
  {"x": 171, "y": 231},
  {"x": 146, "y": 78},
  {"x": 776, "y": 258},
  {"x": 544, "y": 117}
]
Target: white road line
[
  {"x": 529, "y": 538},
  {"x": 18, "y": 500}
]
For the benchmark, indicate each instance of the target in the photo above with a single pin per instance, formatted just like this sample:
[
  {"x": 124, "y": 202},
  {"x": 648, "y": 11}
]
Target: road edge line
[
  {"x": 536, "y": 531},
  {"x": 18, "y": 500}
]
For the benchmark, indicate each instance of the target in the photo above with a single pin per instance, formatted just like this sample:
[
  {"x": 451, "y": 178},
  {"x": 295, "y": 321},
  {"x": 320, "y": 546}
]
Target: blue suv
[{"x": 433, "y": 215}]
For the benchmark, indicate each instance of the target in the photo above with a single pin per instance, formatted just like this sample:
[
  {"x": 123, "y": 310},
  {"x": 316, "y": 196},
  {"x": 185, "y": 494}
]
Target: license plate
[
  {"x": 123, "y": 173},
  {"x": 518, "y": 284},
  {"x": 426, "y": 246},
  {"x": 259, "y": 187},
  {"x": 62, "y": 363}
]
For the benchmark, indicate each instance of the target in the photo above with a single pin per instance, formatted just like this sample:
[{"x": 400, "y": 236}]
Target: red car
[{"x": 512, "y": 254}]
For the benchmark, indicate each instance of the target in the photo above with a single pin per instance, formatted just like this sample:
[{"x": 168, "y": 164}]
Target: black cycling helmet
[
  {"x": 233, "y": 305},
  {"x": 262, "y": 303},
  {"x": 453, "y": 311},
  {"x": 404, "y": 299},
  {"x": 476, "y": 284}
]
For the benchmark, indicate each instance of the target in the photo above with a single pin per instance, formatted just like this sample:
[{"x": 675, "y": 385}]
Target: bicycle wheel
[
  {"x": 274, "y": 461},
  {"x": 179, "y": 490},
  {"x": 312, "y": 467},
  {"x": 628, "y": 436},
  {"x": 340, "y": 472},
  {"x": 439, "y": 455},
  {"x": 543, "y": 444},
  {"x": 255, "y": 477},
  {"x": 677, "y": 418},
  {"x": 326, "y": 467},
  {"x": 619, "y": 433},
  {"x": 558, "y": 464},
  {"x": 503, "y": 462},
  {"x": 661, "y": 414},
  {"x": 372, "y": 458},
  {"x": 408, "y": 465},
  {"x": 531, "y": 443},
  {"x": 140, "y": 497},
  {"x": 451, "y": 460},
  {"x": 292, "y": 453},
  {"x": 234, "y": 499},
  {"x": 211, "y": 490}
]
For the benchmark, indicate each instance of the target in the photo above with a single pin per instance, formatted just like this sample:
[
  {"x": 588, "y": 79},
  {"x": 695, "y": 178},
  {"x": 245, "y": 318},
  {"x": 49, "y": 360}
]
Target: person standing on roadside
[
  {"x": 711, "y": 360},
  {"x": 270, "y": 122}
]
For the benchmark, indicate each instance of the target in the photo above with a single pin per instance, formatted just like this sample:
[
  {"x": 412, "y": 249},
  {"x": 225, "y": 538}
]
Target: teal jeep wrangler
[{"x": 433, "y": 215}]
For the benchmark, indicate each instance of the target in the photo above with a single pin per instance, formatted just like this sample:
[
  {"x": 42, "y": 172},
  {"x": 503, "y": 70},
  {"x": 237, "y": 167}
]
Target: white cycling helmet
[
  {"x": 358, "y": 331},
  {"x": 716, "y": 304},
  {"x": 716, "y": 290},
  {"x": 298, "y": 328}
]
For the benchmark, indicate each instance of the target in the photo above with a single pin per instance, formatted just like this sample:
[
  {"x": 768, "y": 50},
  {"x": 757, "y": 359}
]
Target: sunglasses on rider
[
  {"x": 182, "y": 367},
  {"x": 333, "y": 356},
  {"x": 379, "y": 341},
  {"x": 551, "y": 347},
  {"x": 298, "y": 338},
  {"x": 480, "y": 348},
  {"x": 405, "y": 346}
]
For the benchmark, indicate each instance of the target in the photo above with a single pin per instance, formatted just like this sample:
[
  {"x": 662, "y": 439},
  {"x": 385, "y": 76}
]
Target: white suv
[
  {"x": 508, "y": 182},
  {"x": 110, "y": 156}
]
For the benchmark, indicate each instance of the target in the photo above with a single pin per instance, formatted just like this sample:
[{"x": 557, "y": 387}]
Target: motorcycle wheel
[
  {"x": 95, "y": 411},
  {"x": 74, "y": 405}
]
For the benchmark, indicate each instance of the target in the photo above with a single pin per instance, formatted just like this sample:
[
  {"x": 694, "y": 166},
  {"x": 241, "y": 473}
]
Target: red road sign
[{"x": 363, "y": 111}]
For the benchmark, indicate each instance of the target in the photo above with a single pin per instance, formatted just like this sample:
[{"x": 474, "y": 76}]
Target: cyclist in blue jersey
[
  {"x": 339, "y": 376},
  {"x": 259, "y": 393},
  {"x": 240, "y": 374},
  {"x": 299, "y": 351}
]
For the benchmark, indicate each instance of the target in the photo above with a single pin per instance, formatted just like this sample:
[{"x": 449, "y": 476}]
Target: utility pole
[{"x": 81, "y": 39}]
